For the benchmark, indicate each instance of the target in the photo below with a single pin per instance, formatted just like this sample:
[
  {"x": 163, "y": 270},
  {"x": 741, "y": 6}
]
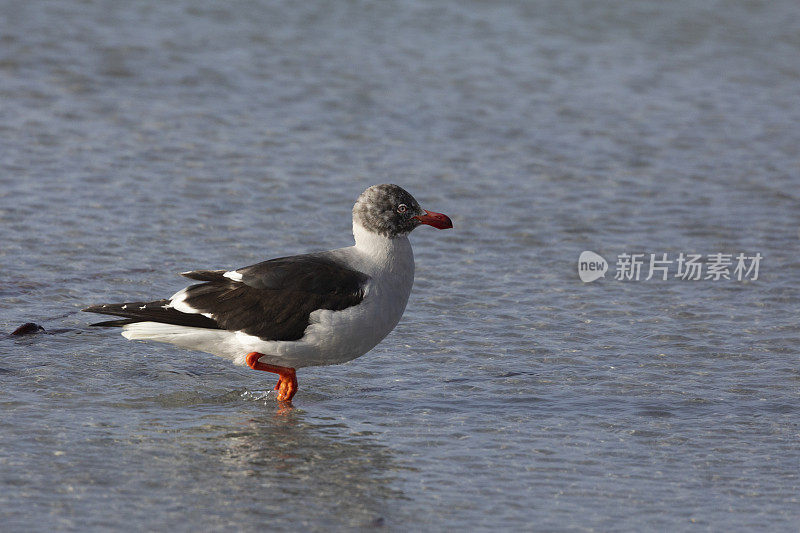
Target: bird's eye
[{"x": 402, "y": 208}]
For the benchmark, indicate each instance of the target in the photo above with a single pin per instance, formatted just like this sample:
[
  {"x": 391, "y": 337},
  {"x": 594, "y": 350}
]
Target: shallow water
[{"x": 145, "y": 139}]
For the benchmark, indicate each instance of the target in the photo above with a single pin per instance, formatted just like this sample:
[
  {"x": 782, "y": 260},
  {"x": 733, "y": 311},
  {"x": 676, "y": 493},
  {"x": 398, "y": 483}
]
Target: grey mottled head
[{"x": 389, "y": 210}]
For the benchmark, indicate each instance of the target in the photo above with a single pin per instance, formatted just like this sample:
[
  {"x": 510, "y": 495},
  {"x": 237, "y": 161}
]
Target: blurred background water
[{"x": 142, "y": 139}]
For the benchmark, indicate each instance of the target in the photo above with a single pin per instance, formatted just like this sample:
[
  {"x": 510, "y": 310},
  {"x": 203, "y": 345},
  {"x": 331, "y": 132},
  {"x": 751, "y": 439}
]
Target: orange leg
[{"x": 287, "y": 384}]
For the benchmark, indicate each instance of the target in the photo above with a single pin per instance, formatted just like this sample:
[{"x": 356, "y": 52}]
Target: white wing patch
[
  {"x": 178, "y": 302},
  {"x": 232, "y": 274}
]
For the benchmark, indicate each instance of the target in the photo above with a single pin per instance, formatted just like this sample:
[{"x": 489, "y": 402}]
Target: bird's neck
[{"x": 383, "y": 250}]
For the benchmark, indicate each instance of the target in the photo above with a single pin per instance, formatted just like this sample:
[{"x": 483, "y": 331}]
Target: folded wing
[{"x": 271, "y": 300}]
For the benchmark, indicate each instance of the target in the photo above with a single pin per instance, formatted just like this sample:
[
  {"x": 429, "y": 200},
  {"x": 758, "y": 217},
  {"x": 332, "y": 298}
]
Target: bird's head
[{"x": 390, "y": 210}]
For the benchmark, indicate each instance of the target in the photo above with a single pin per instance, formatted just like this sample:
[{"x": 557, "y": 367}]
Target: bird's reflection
[{"x": 292, "y": 466}]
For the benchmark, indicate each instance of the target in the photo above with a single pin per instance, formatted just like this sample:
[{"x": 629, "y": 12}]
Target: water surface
[{"x": 140, "y": 140}]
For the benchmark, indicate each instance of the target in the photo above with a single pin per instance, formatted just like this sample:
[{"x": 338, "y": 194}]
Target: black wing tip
[
  {"x": 96, "y": 308},
  {"x": 115, "y": 323},
  {"x": 155, "y": 311},
  {"x": 109, "y": 309}
]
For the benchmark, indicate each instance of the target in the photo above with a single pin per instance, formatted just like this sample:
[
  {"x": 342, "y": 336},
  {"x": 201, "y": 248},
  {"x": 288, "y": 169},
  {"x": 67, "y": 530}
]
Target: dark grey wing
[{"x": 273, "y": 299}]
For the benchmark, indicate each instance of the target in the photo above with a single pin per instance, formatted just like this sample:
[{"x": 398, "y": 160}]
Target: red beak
[{"x": 437, "y": 220}]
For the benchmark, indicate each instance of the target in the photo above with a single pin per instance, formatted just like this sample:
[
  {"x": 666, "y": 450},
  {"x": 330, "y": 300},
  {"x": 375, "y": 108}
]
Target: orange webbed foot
[{"x": 287, "y": 384}]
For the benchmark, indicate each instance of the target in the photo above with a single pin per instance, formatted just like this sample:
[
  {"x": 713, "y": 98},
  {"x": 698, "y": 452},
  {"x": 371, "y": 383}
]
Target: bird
[{"x": 320, "y": 308}]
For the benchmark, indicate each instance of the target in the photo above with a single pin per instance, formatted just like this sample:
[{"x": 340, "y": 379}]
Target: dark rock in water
[
  {"x": 379, "y": 522},
  {"x": 28, "y": 329}
]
